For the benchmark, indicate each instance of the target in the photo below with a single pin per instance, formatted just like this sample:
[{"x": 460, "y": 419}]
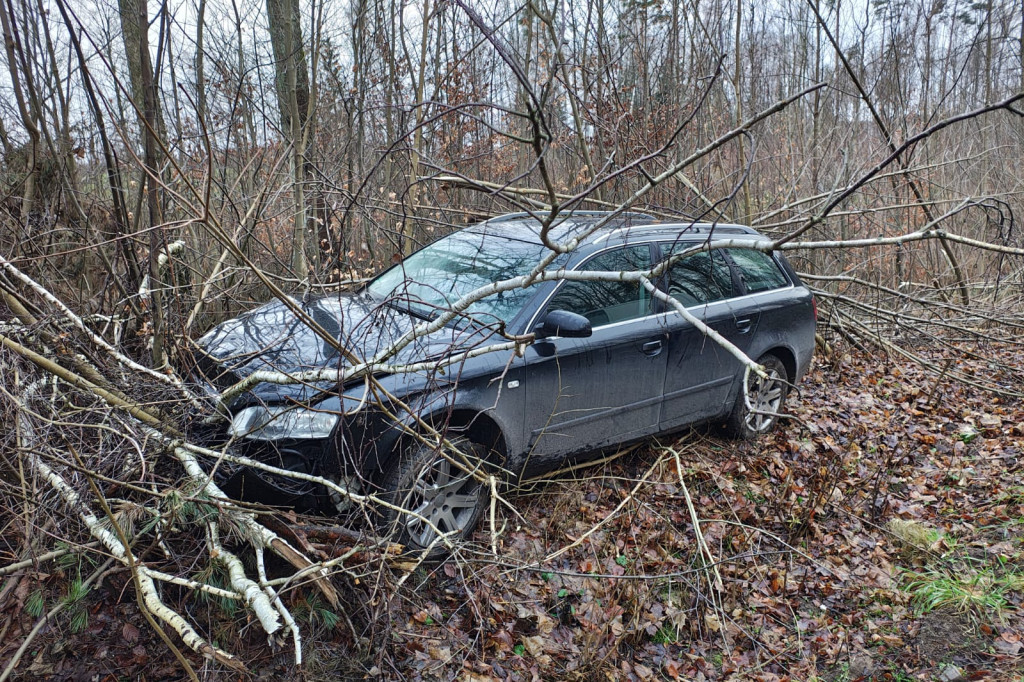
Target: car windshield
[{"x": 432, "y": 279}]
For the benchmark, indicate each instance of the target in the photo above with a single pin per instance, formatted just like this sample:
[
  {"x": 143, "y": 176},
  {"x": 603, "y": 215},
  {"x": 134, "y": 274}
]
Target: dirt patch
[{"x": 946, "y": 634}]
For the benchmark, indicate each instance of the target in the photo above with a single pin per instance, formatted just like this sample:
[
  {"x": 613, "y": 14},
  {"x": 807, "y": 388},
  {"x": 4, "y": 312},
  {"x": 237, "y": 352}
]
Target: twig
[
  {"x": 695, "y": 520},
  {"x": 33, "y": 561},
  {"x": 611, "y": 515}
]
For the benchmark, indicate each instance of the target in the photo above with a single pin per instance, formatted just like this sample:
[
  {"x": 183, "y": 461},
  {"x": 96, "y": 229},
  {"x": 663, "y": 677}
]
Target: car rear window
[
  {"x": 698, "y": 279},
  {"x": 608, "y": 302},
  {"x": 758, "y": 270}
]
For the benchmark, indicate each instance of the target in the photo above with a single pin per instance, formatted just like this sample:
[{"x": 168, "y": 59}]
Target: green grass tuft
[{"x": 979, "y": 592}]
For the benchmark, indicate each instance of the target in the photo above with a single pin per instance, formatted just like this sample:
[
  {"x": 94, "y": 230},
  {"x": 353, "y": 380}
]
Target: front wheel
[
  {"x": 767, "y": 397},
  {"x": 437, "y": 494}
]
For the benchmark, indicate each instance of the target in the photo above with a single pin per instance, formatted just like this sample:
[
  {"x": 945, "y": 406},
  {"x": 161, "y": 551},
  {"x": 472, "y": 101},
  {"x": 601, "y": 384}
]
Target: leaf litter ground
[{"x": 877, "y": 536}]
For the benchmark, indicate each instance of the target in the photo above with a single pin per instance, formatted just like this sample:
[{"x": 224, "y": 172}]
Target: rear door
[
  {"x": 589, "y": 393},
  {"x": 699, "y": 371},
  {"x": 783, "y": 314}
]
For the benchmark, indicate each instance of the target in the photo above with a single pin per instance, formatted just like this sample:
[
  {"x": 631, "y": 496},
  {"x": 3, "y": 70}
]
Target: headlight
[{"x": 276, "y": 423}]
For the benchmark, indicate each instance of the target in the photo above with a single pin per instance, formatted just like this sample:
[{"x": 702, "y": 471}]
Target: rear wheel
[
  {"x": 767, "y": 397},
  {"x": 439, "y": 495}
]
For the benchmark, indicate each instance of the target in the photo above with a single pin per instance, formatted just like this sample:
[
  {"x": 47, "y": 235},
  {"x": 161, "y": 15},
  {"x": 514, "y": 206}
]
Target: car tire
[
  {"x": 766, "y": 396},
  {"x": 426, "y": 482}
]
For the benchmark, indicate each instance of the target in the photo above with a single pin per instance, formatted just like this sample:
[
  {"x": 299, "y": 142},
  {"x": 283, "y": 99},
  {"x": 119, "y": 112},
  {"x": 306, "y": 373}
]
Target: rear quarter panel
[{"x": 785, "y": 328}]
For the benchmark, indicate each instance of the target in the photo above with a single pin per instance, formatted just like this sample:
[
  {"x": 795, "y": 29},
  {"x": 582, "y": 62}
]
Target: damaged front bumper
[{"x": 355, "y": 455}]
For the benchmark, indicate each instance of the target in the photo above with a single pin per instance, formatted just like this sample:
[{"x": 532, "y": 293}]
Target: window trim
[
  {"x": 660, "y": 247},
  {"x": 741, "y": 282},
  {"x": 740, "y": 292},
  {"x": 649, "y": 243},
  {"x": 665, "y": 285}
]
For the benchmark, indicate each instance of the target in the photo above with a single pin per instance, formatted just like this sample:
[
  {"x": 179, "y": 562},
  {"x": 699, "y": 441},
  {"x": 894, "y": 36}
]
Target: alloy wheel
[
  {"x": 443, "y": 498},
  {"x": 766, "y": 396}
]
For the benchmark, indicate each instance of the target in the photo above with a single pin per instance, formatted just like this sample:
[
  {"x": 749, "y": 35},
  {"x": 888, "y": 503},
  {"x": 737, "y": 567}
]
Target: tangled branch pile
[{"x": 98, "y": 463}]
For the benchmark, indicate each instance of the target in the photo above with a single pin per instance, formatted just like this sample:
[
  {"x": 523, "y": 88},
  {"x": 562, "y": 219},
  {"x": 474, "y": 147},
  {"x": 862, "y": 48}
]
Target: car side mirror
[{"x": 565, "y": 324}]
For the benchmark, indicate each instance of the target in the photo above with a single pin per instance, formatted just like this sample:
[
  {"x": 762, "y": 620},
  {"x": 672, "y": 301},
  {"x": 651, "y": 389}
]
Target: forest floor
[{"x": 878, "y": 536}]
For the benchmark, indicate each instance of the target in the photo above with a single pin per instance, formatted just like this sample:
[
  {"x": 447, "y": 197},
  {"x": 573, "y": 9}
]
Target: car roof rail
[
  {"x": 726, "y": 228},
  {"x": 678, "y": 229},
  {"x": 628, "y": 215},
  {"x": 706, "y": 228}
]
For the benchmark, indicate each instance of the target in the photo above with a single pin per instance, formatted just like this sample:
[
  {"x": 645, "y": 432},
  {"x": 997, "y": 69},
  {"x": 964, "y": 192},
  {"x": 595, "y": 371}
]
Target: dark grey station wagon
[{"x": 597, "y": 364}]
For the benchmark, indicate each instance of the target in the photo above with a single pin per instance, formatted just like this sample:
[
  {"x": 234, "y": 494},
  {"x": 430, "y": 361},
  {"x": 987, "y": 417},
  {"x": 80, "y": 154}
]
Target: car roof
[{"x": 623, "y": 226}]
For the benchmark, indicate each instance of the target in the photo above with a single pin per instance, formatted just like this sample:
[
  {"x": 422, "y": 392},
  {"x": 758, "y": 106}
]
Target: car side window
[
  {"x": 608, "y": 302},
  {"x": 758, "y": 270},
  {"x": 701, "y": 278}
]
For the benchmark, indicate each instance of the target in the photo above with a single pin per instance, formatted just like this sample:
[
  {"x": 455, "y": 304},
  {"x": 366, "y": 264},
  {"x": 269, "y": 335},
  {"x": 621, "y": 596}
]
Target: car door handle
[
  {"x": 743, "y": 325},
  {"x": 651, "y": 348}
]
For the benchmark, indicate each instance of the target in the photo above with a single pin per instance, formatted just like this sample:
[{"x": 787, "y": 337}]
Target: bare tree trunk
[
  {"x": 12, "y": 43},
  {"x": 292, "y": 84},
  {"x": 5, "y": 140},
  {"x": 409, "y": 240},
  {"x": 737, "y": 81},
  {"x": 291, "y": 74},
  {"x": 200, "y": 57},
  {"x": 988, "y": 76},
  {"x": 134, "y": 15},
  {"x": 134, "y": 32},
  {"x": 151, "y": 159},
  {"x": 300, "y": 267}
]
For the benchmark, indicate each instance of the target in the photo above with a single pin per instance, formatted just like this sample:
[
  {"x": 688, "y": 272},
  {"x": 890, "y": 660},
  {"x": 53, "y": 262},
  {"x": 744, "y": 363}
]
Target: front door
[{"x": 590, "y": 393}]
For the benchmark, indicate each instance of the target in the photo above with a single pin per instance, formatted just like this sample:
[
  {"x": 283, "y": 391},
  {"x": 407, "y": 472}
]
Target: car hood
[{"x": 272, "y": 337}]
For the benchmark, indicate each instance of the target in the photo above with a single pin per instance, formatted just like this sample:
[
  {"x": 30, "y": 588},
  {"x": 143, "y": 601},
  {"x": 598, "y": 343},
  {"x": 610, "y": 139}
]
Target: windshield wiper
[{"x": 429, "y": 316}]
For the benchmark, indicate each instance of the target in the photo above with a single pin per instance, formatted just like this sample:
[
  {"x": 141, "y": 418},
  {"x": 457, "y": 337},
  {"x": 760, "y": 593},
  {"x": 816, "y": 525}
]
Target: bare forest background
[
  {"x": 168, "y": 165},
  {"x": 324, "y": 140}
]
